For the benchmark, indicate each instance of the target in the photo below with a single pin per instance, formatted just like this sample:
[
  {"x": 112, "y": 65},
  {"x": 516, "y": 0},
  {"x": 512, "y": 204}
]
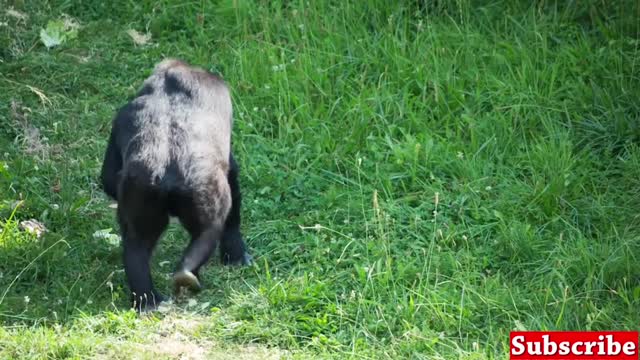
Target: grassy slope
[{"x": 473, "y": 169}]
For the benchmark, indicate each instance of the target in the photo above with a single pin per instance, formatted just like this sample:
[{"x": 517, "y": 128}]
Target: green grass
[{"x": 418, "y": 180}]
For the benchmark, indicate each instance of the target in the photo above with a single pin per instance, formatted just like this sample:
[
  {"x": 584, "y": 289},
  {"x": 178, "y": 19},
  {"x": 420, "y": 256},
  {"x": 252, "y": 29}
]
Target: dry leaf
[
  {"x": 33, "y": 143},
  {"x": 56, "y": 187},
  {"x": 109, "y": 237},
  {"x": 70, "y": 23},
  {"x": 33, "y": 226},
  {"x": 139, "y": 39},
  {"x": 43, "y": 98},
  {"x": 17, "y": 14}
]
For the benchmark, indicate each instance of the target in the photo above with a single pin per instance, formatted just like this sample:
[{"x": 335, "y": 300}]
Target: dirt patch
[
  {"x": 31, "y": 140},
  {"x": 176, "y": 346},
  {"x": 175, "y": 339}
]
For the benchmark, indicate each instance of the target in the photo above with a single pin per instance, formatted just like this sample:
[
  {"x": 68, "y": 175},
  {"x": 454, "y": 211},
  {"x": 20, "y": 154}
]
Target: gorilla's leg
[
  {"x": 143, "y": 216},
  {"x": 232, "y": 248},
  {"x": 111, "y": 167},
  {"x": 202, "y": 212}
]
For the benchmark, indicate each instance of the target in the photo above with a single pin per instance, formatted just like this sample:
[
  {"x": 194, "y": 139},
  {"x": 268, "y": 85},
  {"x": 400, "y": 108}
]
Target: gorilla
[{"x": 169, "y": 154}]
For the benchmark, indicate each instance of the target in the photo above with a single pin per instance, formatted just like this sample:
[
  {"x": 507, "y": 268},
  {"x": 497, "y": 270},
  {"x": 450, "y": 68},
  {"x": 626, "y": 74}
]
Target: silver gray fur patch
[{"x": 191, "y": 131}]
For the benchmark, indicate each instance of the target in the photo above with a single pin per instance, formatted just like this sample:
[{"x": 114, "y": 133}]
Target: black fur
[
  {"x": 153, "y": 174},
  {"x": 173, "y": 86},
  {"x": 232, "y": 247},
  {"x": 146, "y": 90}
]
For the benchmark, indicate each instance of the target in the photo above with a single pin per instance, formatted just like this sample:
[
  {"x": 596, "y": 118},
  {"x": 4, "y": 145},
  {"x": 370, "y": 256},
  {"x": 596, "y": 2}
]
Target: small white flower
[
  {"x": 26, "y": 300},
  {"x": 460, "y": 155},
  {"x": 55, "y": 206},
  {"x": 89, "y": 301}
]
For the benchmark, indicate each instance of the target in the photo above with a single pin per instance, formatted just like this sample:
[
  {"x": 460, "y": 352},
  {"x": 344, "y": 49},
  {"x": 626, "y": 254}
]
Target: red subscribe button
[{"x": 573, "y": 345}]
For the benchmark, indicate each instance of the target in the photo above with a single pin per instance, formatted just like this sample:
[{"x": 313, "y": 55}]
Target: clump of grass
[{"x": 419, "y": 179}]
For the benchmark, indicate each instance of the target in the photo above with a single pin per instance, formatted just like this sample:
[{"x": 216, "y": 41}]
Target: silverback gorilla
[{"x": 169, "y": 154}]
